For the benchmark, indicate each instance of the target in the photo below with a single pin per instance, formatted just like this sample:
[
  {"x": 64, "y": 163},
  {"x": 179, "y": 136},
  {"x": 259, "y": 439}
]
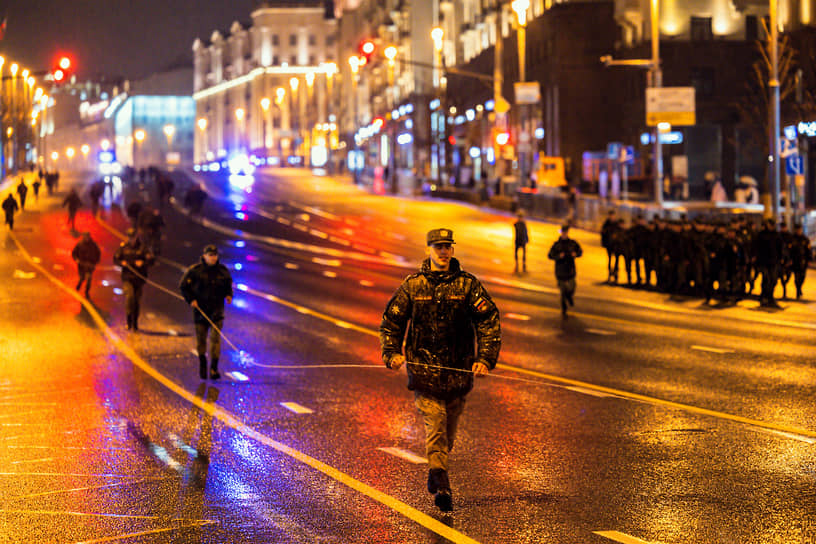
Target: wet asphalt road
[{"x": 640, "y": 418}]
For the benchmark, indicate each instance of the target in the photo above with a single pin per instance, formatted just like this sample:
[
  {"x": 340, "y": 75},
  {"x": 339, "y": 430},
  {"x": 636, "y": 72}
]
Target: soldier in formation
[{"x": 709, "y": 259}]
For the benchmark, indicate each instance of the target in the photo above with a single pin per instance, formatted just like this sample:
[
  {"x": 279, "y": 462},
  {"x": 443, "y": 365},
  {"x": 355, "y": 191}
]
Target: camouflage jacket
[{"x": 451, "y": 323}]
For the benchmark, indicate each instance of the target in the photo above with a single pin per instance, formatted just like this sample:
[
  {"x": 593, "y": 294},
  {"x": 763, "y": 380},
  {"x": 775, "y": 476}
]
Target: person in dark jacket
[
  {"x": 86, "y": 254},
  {"x": 134, "y": 258},
  {"x": 521, "y": 240},
  {"x": 564, "y": 252},
  {"x": 72, "y": 202},
  {"x": 22, "y": 190},
  {"x": 451, "y": 332},
  {"x": 205, "y": 286},
  {"x": 10, "y": 208},
  {"x": 800, "y": 255},
  {"x": 608, "y": 230},
  {"x": 768, "y": 252}
]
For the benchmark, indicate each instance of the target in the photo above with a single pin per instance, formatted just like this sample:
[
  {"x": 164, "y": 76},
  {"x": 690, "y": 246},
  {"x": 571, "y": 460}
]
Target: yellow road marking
[
  {"x": 620, "y": 537},
  {"x": 232, "y": 421}
]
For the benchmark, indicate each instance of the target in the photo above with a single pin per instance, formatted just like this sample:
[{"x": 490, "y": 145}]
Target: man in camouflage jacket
[{"x": 450, "y": 327}]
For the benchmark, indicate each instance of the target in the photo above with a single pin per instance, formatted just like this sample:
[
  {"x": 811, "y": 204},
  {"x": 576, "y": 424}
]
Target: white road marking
[
  {"x": 329, "y": 274},
  {"x": 238, "y": 376},
  {"x": 405, "y": 454},
  {"x": 150, "y": 315},
  {"x": 296, "y": 408},
  {"x": 712, "y": 350},
  {"x": 601, "y": 332},
  {"x": 366, "y": 283},
  {"x": 20, "y": 275},
  {"x": 318, "y": 233},
  {"x": 621, "y": 537},
  {"x": 43, "y": 460},
  {"x": 283, "y": 221},
  {"x": 517, "y": 317},
  {"x": 342, "y": 324},
  {"x": 58, "y": 267},
  {"x": 291, "y": 266},
  {"x": 301, "y": 228},
  {"x": 340, "y": 241}
]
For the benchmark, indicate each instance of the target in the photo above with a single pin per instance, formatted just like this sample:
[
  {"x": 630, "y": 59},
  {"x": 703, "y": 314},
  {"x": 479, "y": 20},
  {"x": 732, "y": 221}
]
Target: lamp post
[
  {"x": 239, "y": 129},
  {"x": 202, "y": 128},
  {"x": 280, "y": 96},
  {"x": 520, "y": 7},
  {"x": 294, "y": 84},
  {"x": 354, "y": 63},
  {"x": 169, "y": 131},
  {"x": 437, "y": 34},
  {"x": 656, "y": 81},
  {"x": 773, "y": 85},
  {"x": 265, "y": 104}
]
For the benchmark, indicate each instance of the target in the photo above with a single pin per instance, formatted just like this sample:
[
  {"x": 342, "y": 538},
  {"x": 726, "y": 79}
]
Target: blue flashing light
[
  {"x": 197, "y": 168},
  {"x": 405, "y": 138},
  {"x": 489, "y": 105},
  {"x": 240, "y": 243},
  {"x": 241, "y": 287},
  {"x": 474, "y": 152},
  {"x": 539, "y": 133},
  {"x": 238, "y": 266}
]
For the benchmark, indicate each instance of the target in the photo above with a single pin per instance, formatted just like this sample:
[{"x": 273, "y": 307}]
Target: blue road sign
[{"x": 794, "y": 165}]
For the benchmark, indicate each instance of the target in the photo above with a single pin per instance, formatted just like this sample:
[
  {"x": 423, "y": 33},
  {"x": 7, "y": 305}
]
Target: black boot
[
  {"x": 214, "y": 375},
  {"x": 437, "y": 478},
  {"x": 202, "y": 367}
]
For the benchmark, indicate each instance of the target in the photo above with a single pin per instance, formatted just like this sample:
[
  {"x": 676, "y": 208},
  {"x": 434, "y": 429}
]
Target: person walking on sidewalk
[
  {"x": 86, "y": 254},
  {"x": 521, "y": 241},
  {"x": 451, "y": 332},
  {"x": 135, "y": 259},
  {"x": 10, "y": 207},
  {"x": 72, "y": 202},
  {"x": 36, "y": 186},
  {"x": 564, "y": 252},
  {"x": 205, "y": 286},
  {"x": 22, "y": 190}
]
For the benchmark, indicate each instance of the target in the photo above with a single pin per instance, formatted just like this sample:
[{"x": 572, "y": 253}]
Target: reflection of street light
[
  {"x": 202, "y": 127},
  {"x": 105, "y": 144},
  {"x": 169, "y": 131}
]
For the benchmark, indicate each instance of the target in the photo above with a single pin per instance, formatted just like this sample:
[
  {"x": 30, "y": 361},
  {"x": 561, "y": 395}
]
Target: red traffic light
[
  {"x": 367, "y": 49},
  {"x": 62, "y": 69}
]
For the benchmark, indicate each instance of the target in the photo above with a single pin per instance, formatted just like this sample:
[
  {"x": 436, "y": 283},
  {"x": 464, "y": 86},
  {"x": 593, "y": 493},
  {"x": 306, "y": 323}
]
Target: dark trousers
[
  {"x": 567, "y": 288},
  {"x": 769, "y": 276},
  {"x": 10, "y": 221},
  {"x": 523, "y": 248},
  {"x": 85, "y": 274},
  {"x": 133, "y": 294},
  {"x": 202, "y": 328}
]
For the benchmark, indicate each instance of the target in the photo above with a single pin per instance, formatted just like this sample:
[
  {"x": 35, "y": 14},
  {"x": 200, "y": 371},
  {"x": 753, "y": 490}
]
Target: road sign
[
  {"x": 794, "y": 165},
  {"x": 528, "y": 92},
  {"x": 613, "y": 150},
  {"x": 787, "y": 148},
  {"x": 673, "y": 105},
  {"x": 627, "y": 155}
]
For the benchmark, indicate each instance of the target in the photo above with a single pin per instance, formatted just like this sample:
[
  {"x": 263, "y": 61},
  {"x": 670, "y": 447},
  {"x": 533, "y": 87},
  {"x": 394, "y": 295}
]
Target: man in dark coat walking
[
  {"x": 450, "y": 328},
  {"x": 10, "y": 207},
  {"x": 768, "y": 252},
  {"x": 521, "y": 240},
  {"x": 22, "y": 190},
  {"x": 205, "y": 286},
  {"x": 134, "y": 258},
  {"x": 72, "y": 202},
  {"x": 86, "y": 254},
  {"x": 564, "y": 252}
]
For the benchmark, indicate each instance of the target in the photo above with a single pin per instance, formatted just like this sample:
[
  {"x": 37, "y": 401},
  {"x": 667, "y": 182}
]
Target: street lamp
[
  {"x": 265, "y": 104},
  {"x": 239, "y": 116},
  {"x": 139, "y": 136},
  {"x": 437, "y": 35}
]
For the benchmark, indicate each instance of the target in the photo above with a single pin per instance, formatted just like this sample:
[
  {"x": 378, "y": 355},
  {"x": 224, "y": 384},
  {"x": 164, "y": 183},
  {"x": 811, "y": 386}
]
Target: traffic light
[
  {"x": 367, "y": 49},
  {"x": 63, "y": 69}
]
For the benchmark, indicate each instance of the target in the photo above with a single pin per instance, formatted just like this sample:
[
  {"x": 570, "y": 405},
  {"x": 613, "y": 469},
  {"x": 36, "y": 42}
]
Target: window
[
  {"x": 311, "y": 60},
  {"x": 330, "y": 40},
  {"x": 275, "y": 39},
  {"x": 312, "y": 39},
  {"x": 701, "y": 29},
  {"x": 293, "y": 60},
  {"x": 275, "y": 60},
  {"x": 292, "y": 39}
]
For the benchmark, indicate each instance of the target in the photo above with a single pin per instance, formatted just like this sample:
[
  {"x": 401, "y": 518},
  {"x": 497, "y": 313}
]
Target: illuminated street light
[
  {"x": 265, "y": 103},
  {"x": 239, "y": 113},
  {"x": 25, "y": 73},
  {"x": 294, "y": 83},
  {"x": 54, "y": 155},
  {"x": 13, "y": 69},
  {"x": 202, "y": 123},
  {"x": 280, "y": 94},
  {"x": 105, "y": 144},
  {"x": 70, "y": 152},
  {"x": 85, "y": 149},
  {"x": 139, "y": 135}
]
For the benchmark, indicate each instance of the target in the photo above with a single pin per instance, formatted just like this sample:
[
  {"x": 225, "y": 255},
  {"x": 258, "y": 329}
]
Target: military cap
[
  {"x": 437, "y": 236},
  {"x": 210, "y": 249}
]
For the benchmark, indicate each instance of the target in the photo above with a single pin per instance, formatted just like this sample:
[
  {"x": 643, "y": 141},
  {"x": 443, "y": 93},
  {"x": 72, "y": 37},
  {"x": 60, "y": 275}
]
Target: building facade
[{"x": 267, "y": 88}]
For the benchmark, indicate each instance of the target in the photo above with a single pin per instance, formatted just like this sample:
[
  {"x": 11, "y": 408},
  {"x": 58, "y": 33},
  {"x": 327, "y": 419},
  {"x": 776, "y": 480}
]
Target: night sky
[{"x": 130, "y": 38}]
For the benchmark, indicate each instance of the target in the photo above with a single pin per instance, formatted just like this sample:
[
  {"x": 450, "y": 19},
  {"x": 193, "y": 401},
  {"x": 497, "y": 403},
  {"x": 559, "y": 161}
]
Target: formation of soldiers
[{"x": 706, "y": 258}]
